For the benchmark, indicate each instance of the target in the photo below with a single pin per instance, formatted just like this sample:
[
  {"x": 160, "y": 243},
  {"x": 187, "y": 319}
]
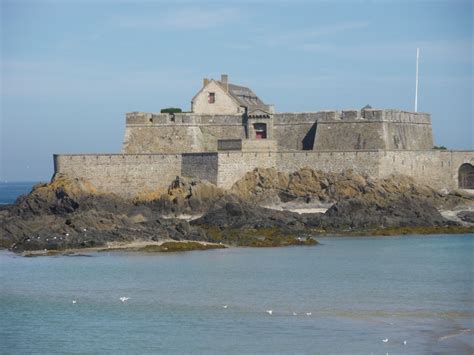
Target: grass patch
[
  {"x": 259, "y": 237},
  {"x": 168, "y": 247}
]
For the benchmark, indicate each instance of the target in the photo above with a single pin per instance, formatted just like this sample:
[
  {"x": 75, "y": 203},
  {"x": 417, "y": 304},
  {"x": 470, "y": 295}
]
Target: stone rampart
[
  {"x": 437, "y": 168},
  {"x": 363, "y": 162},
  {"x": 234, "y": 165},
  {"x": 148, "y": 133},
  {"x": 131, "y": 174},
  {"x": 124, "y": 175},
  {"x": 201, "y": 166}
]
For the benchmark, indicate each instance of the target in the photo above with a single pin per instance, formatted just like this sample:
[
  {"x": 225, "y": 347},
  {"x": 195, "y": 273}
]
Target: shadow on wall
[{"x": 308, "y": 140}]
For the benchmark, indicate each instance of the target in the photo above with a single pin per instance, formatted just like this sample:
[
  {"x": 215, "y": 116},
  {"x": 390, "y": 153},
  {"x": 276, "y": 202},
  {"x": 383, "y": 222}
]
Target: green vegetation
[
  {"x": 171, "y": 110},
  {"x": 424, "y": 230},
  {"x": 168, "y": 247},
  {"x": 393, "y": 231},
  {"x": 261, "y": 237},
  {"x": 440, "y": 147}
]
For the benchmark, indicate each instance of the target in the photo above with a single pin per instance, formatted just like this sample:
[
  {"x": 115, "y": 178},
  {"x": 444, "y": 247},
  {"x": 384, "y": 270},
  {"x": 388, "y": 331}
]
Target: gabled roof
[
  {"x": 245, "y": 97},
  {"x": 258, "y": 113},
  {"x": 242, "y": 96}
]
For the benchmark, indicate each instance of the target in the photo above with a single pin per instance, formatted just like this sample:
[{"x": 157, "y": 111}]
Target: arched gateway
[{"x": 466, "y": 176}]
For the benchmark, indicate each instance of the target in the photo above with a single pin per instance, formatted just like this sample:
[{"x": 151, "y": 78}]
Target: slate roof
[{"x": 246, "y": 97}]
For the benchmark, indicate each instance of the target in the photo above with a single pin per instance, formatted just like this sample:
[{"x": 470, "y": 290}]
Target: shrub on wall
[
  {"x": 441, "y": 147},
  {"x": 171, "y": 110}
]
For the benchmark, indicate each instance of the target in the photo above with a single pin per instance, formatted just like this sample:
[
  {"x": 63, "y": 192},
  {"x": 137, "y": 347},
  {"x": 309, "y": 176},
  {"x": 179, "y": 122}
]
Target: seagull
[
  {"x": 294, "y": 313},
  {"x": 67, "y": 234},
  {"x": 385, "y": 340},
  {"x": 270, "y": 312},
  {"x": 85, "y": 230},
  {"x": 404, "y": 342},
  {"x": 124, "y": 299},
  {"x": 74, "y": 301},
  {"x": 308, "y": 313},
  {"x": 224, "y": 306}
]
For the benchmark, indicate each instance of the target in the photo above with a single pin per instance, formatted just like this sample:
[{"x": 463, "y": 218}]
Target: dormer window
[{"x": 211, "y": 98}]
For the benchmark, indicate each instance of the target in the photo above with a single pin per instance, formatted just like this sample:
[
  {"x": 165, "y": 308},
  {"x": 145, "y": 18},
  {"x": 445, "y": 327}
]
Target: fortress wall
[
  {"x": 364, "y": 162},
  {"x": 124, "y": 175},
  {"x": 296, "y": 130},
  {"x": 404, "y": 135},
  {"x": 437, "y": 168},
  {"x": 150, "y": 139},
  {"x": 350, "y": 135},
  {"x": 234, "y": 165},
  {"x": 371, "y": 134},
  {"x": 212, "y": 133},
  {"x": 202, "y": 166},
  {"x": 149, "y": 133},
  {"x": 295, "y": 136}
]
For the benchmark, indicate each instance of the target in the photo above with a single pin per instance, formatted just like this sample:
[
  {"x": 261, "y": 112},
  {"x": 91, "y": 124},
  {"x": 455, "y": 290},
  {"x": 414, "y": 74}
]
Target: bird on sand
[
  {"x": 270, "y": 312},
  {"x": 404, "y": 342},
  {"x": 309, "y": 313},
  {"x": 74, "y": 301},
  {"x": 124, "y": 299},
  {"x": 295, "y": 314},
  {"x": 224, "y": 306},
  {"x": 385, "y": 340}
]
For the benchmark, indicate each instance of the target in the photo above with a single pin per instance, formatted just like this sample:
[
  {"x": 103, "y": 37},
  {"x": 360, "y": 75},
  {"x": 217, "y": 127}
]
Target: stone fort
[{"x": 230, "y": 131}]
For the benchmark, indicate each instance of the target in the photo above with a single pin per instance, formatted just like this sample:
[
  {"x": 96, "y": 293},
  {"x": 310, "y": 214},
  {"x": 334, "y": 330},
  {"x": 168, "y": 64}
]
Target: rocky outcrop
[
  {"x": 70, "y": 213},
  {"x": 307, "y": 185},
  {"x": 184, "y": 196}
]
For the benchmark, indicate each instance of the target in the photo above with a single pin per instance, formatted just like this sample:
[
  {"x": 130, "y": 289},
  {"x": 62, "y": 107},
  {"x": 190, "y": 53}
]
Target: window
[
  {"x": 260, "y": 130},
  {"x": 211, "y": 98}
]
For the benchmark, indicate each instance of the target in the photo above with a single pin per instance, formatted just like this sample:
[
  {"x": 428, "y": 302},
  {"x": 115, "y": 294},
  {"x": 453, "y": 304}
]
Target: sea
[{"x": 347, "y": 295}]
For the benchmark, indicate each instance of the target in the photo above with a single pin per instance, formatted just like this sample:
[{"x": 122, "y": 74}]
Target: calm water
[
  {"x": 9, "y": 191},
  {"x": 358, "y": 291}
]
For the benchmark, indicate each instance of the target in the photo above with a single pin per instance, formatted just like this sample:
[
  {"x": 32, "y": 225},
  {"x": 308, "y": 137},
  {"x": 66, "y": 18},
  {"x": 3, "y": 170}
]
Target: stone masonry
[{"x": 238, "y": 132}]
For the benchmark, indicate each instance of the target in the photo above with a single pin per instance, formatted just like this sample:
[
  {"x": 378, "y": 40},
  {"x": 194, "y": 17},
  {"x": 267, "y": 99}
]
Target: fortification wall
[
  {"x": 124, "y": 175},
  {"x": 405, "y": 135},
  {"x": 363, "y": 162},
  {"x": 437, "y": 168},
  {"x": 148, "y": 133},
  {"x": 201, "y": 166},
  {"x": 295, "y": 130},
  {"x": 373, "y": 129},
  {"x": 234, "y": 165},
  {"x": 350, "y": 135}
]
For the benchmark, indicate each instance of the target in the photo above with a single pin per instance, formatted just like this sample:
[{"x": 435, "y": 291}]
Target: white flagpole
[{"x": 416, "y": 84}]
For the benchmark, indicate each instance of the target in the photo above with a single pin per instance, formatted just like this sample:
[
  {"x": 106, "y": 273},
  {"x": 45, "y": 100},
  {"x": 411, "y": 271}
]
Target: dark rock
[{"x": 466, "y": 216}]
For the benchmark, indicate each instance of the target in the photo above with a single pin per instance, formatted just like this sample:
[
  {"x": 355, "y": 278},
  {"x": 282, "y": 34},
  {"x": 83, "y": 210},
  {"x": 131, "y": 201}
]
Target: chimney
[
  {"x": 205, "y": 81},
  {"x": 225, "y": 81}
]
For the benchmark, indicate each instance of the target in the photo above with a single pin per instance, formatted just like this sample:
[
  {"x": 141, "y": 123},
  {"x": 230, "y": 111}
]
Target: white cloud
[
  {"x": 201, "y": 18},
  {"x": 432, "y": 50},
  {"x": 308, "y": 34},
  {"x": 192, "y": 18}
]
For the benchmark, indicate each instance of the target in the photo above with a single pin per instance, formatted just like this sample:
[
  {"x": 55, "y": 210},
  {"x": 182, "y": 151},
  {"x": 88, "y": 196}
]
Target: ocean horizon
[{"x": 11, "y": 190}]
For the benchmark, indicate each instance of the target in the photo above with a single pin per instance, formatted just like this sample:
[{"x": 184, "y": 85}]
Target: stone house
[{"x": 223, "y": 98}]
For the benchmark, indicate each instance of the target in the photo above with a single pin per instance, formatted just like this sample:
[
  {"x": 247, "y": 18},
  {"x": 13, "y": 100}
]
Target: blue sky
[{"x": 71, "y": 69}]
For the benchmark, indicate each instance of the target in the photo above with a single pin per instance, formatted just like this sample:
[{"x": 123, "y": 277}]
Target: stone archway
[{"x": 466, "y": 176}]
